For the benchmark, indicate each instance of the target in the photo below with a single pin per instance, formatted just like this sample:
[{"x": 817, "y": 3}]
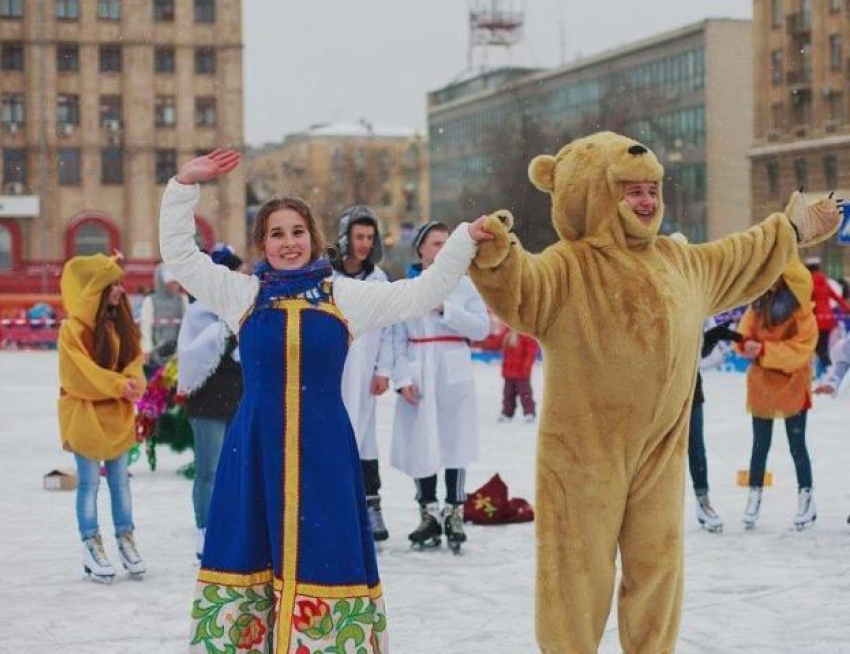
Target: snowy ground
[{"x": 769, "y": 590}]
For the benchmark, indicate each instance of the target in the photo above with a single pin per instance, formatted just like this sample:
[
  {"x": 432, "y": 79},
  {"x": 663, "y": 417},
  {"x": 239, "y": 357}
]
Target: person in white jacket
[
  {"x": 369, "y": 363},
  {"x": 287, "y": 530},
  {"x": 436, "y": 417}
]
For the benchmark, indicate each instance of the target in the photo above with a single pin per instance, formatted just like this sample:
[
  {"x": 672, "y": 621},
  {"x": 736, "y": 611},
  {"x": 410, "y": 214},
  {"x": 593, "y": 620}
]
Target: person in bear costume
[{"x": 618, "y": 311}]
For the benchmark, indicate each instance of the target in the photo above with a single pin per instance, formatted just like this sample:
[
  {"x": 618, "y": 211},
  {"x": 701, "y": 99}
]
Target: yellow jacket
[
  {"x": 779, "y": 383},
  {"x": 94, "y": 419}
]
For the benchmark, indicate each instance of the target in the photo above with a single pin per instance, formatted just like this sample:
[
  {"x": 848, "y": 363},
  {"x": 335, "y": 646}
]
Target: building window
[
  {"x": 112, "y": 166},
  {"x": 164, "y": 59},
  {"x": 12, "y": 111},
  {"x": 110, "y": 59},
  {"x": 166, "y": 165},
  {"x": 68, "y": 110},
  {"x": 91, "y": 238},
  {"x": 205, "y": 63},
  {"x": 67, "y": 57},
  {"x": 777, "y": 117},
  {"x": 801, "y": 173},
  {"x": 68, "y": 162},
  {"x": 5, "y": 248},
  {"x": 204, "y": 11},
  {"x": 109, "y": 9},
  {"x": 776, "y": 13},
  {"x": 14, "y": 166},
  {"x": 834, "y": 6},
  {"x": 110, "y": 111},
  {"x": 830, "y": 171},
  {"x": 776, "y": 67},
  {"x": 68, "y": 9},
  {"x": 163, "y": 11},
  {"x": 11, "y": 8},
  {"x": 12, "y": 56},
  {"x": 164, "y": 113},
  {"x": 835, "y": 107},
  {"x": 205, "y": 112},
  {"x": 835, "y": 53}
]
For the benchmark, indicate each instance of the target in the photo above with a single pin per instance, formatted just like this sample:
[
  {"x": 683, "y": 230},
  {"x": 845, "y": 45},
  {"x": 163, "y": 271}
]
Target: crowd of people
[{"x": 284, "y": 363}]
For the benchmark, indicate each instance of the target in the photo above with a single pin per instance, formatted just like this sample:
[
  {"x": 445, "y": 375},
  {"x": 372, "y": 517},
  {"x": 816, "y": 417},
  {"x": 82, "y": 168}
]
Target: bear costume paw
[
  {"x": 813, "y": 222},
  {"x": 492, "y": 253}
]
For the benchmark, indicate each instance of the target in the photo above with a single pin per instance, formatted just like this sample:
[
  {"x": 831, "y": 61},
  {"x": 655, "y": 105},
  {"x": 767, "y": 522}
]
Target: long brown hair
[
  {"x": 128, "y": 334},
  {"x": 261, "y": 225}
]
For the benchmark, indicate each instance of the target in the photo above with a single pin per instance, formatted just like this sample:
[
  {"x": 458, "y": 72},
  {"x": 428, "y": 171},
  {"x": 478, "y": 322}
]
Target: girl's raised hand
[{"x": 208, "y": 167}]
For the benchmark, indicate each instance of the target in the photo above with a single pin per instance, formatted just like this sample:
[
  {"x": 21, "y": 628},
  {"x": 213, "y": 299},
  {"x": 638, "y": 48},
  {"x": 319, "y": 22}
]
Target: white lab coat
[
  {"x": 441, "y": 431},
  {"x": 369, "y": 355}
]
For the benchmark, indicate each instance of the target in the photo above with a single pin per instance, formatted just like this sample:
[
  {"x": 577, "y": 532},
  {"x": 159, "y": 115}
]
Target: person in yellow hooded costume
[
  {"x": 780, "y": 336},
  {"x": 100, "y": 373},
  {"x": 618, "y": 310}
]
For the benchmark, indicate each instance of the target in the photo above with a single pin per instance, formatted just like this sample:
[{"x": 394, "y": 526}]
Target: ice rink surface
[{"x": 770, "y": 590}]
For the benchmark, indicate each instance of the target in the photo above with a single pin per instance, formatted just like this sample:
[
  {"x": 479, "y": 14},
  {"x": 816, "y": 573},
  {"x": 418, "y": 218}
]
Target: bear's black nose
[{"x": 637, "y": 149}]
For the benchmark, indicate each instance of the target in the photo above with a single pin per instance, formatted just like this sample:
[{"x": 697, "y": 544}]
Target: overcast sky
[{"x": 314, "y": 61}]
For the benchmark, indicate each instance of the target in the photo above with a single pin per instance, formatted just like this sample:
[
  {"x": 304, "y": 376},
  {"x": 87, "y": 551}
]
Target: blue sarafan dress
[{"x": 289, "y": 562}]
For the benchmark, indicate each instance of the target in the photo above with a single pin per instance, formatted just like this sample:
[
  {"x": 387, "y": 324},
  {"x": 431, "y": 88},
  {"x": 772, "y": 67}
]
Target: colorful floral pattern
[{"x": 235, "y": 620}]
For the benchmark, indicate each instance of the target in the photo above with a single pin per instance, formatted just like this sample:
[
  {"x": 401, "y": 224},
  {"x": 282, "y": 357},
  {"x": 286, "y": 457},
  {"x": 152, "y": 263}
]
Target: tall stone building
[
  {"x": 686, "y": 93},
  {"x": 801, "y": 133},
  {"x": 334, "y": 166},
  {"x": 101, "y": 102}
]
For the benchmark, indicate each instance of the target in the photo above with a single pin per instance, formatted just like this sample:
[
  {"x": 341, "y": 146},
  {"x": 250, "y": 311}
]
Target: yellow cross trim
[{"x": 235, "y": 578}]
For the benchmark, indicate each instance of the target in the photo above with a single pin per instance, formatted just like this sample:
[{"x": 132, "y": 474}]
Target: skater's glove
[
  {"x": 813, "y": 222},
  {"x": 492, "y": 253},
  {"x": 716, "y": 334}
]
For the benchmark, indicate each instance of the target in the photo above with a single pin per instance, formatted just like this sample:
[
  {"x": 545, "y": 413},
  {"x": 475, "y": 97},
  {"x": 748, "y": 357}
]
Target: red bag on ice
[{"x": 489, "y": 505}]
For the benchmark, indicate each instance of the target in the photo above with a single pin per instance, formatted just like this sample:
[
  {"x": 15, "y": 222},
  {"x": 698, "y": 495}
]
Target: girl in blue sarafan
[{"x": 289, "y": 564}]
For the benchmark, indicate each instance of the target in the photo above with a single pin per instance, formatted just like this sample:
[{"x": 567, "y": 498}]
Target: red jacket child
[{"x": 518, "y": 354}]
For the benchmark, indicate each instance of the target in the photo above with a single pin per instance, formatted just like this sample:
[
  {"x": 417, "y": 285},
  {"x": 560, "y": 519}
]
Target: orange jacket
[{"x": 779, "y": 382}]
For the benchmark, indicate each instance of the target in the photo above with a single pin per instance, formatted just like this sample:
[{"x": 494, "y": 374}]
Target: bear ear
[{"x": 541, "y": 172}]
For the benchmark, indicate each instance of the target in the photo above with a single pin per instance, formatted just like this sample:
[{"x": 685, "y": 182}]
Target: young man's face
[
  {"x": 642, "y": 198},
  {"x": 361, "y": 240},
  {"x": 431, "y": 246}
]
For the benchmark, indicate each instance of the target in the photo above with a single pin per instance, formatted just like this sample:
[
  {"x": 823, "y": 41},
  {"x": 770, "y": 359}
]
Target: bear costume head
[{"x": 586, "y": 180}]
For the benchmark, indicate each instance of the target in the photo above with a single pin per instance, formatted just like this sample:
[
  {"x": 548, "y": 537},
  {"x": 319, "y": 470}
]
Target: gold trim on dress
[{"x": 235, "y": 578}]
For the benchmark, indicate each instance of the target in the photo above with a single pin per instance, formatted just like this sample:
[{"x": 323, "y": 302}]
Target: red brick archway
[
  {"x": 86, "y": 218},
  {"x": 16, "y": 238}
]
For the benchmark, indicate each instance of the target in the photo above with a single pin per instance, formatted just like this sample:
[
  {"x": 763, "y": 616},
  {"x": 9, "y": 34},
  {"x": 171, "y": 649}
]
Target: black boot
[
  {"x": 376, "y": 518},
  {"x": 429, "y": 531}
]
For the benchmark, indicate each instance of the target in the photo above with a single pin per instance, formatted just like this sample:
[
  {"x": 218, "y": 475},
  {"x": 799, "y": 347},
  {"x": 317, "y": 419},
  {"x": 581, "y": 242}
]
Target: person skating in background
[
  {"x": 101, "y": 377},
  {"x": 779, "y": 335},
  {"x": 823, "y": 295},
  {"x": 369, "y": 363},
  {"x": 840, "y": 355},
  {"x": 162, "y": 312},
  {"x": 713, "y": 334},
  {"x": 518, "y": 354},
  {"x": 436, "y": 416},
  {"x": 209, "y": 375},
  {"x": 288, "y": 537}
]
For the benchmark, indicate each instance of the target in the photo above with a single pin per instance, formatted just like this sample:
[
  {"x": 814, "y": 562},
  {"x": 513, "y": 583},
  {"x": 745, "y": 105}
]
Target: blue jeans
[
  {"x": 88, "y": 473},
  {"x": 696, "y": 451},
  {"x": 795, "y": 428},
  {"x": 209, "y": 434}
]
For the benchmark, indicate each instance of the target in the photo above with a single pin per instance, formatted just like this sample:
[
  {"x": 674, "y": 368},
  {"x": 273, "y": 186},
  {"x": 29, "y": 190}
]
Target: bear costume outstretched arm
[
  {"x": 736, "y": 269},
  {"x": 525, "y": 290}
]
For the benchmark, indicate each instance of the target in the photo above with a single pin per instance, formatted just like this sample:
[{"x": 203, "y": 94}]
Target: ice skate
[
  {"x": 503, "y": 418},
  {"x": 707, "y": 516},
  {"x": 376, "y": 519},
  {"x": 453, "y": 526},
  {"x": 199, "y": 546},
  {"x": 429, "y": 531},
  {"x": 529, "y": 418},
  {"x": 806, "y": 511},
  {"x": 130, "y": 558},
  {"x": 96, "y": 565},
  {"x": 751, "y": 512}
]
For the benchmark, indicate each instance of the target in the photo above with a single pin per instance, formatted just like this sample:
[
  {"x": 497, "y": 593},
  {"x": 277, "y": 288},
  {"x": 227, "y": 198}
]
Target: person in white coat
[
  {"x": 369, "y": 363},
  {"x": 436, "y": 417}
]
